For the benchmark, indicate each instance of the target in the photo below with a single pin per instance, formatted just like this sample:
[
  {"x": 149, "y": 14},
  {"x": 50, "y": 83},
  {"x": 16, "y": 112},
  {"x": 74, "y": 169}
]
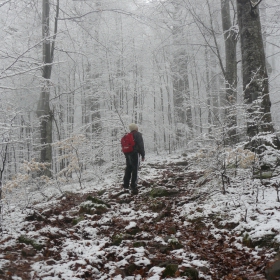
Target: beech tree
[
  {"x": 255, "y": 77},
  {"x": 181, "y": 88},
  {"x": 230, "y": 37},
  {"x": 43, "y": 110}
]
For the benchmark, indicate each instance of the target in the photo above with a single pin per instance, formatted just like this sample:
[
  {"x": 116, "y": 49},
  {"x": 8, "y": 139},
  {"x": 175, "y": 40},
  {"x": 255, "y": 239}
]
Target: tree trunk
[
  {"x": 230, "y": 37},
  {"x": 181, "y": 89},
  {"x": 43, "y": 108},
  {"x": 208, "y": 90},
  {"x": 255, "y": 78}
]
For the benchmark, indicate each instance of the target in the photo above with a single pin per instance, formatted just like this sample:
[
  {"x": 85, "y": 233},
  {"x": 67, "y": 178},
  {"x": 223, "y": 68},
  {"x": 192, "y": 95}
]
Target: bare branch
[
  {"x": 2, "y": 4},
  {"x": 254, "y": 6}
]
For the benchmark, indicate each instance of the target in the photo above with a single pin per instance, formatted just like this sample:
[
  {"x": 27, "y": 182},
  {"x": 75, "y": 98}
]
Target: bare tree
[
  {"x": 255, "y": 77},
  {"x": 181, "y": 87},
  {"x": 43, "y": 110},
  {"x": 3, "y": 155},
  {"x": 230, "y": 37}
]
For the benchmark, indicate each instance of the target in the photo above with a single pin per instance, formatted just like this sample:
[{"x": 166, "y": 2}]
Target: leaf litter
[{"x": 180, "y": 226}]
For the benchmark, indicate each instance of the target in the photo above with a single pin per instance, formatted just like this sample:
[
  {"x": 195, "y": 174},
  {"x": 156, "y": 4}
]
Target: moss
[
  {"x": 246, "y": 240},
  {"x": 182, "y": 163},
  {"x": 218, "y": 219},
  {"x": 157, "y": 192},
  {"x": 160, "y": 192},
  {"x": 175, "y": 244},
  {"x": 139, "y": 244},
  {"x": 190, "y": 272},
  {"x": 156, "y": 205},
  {"x": 133, "y": 231},
  {"x": 266, "y": 241},
  {"x": 170, "y": 270},
  {"x": 161, "y": 216},
  {"x": 77, "y": 220},
  {"x": 99, "y": 210},
  {"x": 129, "y": 270},
  {"x": 230, "y": 225},
  {"x": 96, "y": 200},
  {"x": 87, "y": 209},
  {"x": 117, "y": 239},
  {"x": 101, "y": 192},
  {"x": 93, "y": 206},
  {"x": 34, "y": 217},
  {"x": 263, "y": 175},
  {"x": 198, "y": 223},
  {"x": 24, "y": 239}
]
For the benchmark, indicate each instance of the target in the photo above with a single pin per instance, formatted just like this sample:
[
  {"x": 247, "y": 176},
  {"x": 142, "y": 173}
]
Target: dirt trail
[{"x": 151, "y": 224}]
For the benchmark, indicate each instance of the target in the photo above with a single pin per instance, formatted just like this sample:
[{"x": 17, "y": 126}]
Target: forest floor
[{"x": 182, "y": 225}]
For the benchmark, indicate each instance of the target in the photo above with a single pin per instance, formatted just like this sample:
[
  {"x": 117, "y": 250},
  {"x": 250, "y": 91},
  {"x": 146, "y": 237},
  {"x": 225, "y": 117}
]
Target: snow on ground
[{"x": 140, "y": 237}]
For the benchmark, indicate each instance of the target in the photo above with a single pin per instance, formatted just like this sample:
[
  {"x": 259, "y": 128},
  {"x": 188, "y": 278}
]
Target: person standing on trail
[{"x": 132, "y": 157}]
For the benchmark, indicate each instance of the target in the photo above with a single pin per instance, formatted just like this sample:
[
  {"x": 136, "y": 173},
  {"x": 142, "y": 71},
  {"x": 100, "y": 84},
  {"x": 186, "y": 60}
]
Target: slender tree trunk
[
  {"x": 255, "y": 78},
  {"x": 199, "y": 105},
  {"x": 3, "y": 155},
  {"x": 43, "y": 108},
  {"x": 181, "y": 88},
  {"x": 208, "y": 90}
]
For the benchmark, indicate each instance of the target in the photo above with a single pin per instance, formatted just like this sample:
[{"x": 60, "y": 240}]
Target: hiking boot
[{"x": 134, "y": 191}]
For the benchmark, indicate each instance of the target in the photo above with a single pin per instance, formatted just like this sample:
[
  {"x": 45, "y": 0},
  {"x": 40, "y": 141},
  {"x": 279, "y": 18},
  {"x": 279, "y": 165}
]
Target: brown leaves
[{"x": 162, "y": 237}]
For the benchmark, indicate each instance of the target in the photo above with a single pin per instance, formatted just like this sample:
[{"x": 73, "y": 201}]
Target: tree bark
[
  {"x": 44, "y": 112},
  {"x": 181, "y": 87},
  {"x": 230, "y": 38},
  {"x": 255, "y": 78}
]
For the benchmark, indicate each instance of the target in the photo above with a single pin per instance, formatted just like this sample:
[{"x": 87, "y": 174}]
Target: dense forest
[
  {"x": 74, "y": 74},
  {"x": 195, "y": 76}
]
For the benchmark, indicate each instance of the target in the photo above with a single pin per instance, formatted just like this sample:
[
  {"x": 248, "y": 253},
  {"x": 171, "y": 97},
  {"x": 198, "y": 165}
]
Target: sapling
[
  {"x": 245, "y": 216},
  {"x": 2, "y": 168},
  {"x": 29, "y": 178},
  {"x": 74, "y": 151},
  {"x": 276, "y": 186},
  {"x": 257, "y": 194}
]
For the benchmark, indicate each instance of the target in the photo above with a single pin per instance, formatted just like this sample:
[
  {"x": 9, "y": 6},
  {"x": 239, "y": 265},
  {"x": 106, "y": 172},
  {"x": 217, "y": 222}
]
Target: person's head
[{"x": 133, "y": 127}]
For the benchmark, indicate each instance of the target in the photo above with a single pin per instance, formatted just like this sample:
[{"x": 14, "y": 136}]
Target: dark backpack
[{"x": 127, "y": 143}]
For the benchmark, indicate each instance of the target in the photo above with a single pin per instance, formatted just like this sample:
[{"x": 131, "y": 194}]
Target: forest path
[{"x": 110, "y": 234}]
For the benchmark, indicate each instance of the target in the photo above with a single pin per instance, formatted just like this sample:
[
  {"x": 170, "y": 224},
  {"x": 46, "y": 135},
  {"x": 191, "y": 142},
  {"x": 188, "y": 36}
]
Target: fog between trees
[{"x": 74, "y": 74}]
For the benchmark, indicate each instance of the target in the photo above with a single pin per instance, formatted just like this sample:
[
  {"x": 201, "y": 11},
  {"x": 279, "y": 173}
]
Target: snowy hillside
[{"x": 184, "y": 224}]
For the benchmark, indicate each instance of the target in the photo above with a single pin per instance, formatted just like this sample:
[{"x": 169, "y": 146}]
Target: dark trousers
[{"x": 131, "y": 170}]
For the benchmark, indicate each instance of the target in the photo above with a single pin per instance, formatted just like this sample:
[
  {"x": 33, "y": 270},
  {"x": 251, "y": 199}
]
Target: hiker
[{"x": 133, "y": 159}]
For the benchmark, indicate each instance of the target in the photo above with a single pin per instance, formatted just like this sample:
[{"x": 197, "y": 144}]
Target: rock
[
  {"x": 133, "y": 230},
  {"x": 28, "y": 252},
  {"x": 117, "y": 239},
  {"x": 171, "y": 229},
  {"x": 50, "y": 262},
  {"x": 182, "y": 163},
  {"x": 191, "y": 272},
  {"x": 130, "y": 269},
  {"x": 118, "y": 271},
  {"x": 203, "y": 269},
  {"x": 145, "y": 184},
  {"x": 160, "y": 192},
  {"x": 35, "y": 216},
  {"x": 272, "y": 271},
  {"x": 96, "y": 200},
  {"x": 164, "y": 249},
  {"x": 263, "y": 174},
  {"x": 47, "y": 213},
  {"x": 139, "y": 244},
  {"x": 156, "y": 205},
  {"x": 170, "y": 270},
  {"x": 175, "y": 244}
]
